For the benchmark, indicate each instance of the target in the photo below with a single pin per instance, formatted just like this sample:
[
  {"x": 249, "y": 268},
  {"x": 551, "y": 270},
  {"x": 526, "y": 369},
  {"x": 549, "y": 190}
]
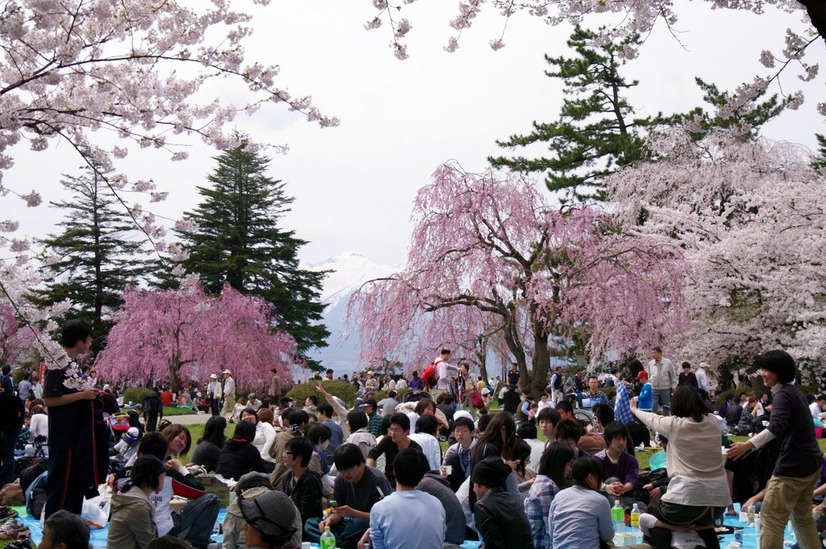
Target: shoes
[
  {"x": 23, "y": 543},
  {"x": 6, "y": 513},
  {"x": 14, "y": 529}
]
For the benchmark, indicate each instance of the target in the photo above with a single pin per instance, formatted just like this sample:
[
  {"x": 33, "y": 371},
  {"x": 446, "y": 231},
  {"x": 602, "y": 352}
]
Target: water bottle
[
  {"x": 751, "y": 511},
  {"x": 635, "y": 516},
  {"x": 618, "y": 517},
  {"x": 327, "y": 540}
]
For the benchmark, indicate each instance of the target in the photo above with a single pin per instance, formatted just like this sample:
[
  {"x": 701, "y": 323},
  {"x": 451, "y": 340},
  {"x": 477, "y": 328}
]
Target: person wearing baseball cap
[
  {"x": 645, "y": 400},
  {"x": 269, "y": 520},
  {"x": 702, "y": 378}
]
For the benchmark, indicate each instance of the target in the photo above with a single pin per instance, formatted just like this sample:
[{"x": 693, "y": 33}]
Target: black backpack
[{"x": 151, "y": 403}]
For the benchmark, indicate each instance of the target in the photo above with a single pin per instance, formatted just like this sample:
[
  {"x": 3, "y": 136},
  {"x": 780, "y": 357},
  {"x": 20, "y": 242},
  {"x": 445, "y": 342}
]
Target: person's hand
[
  {"x": 818, "y": 511},
  {"x": 739, "y": 449},
  {"x": 648, "y": 487},
  {"x": 364, "y": 542},
  {"x": 89, "y": 394},
  {"x": 344, "y": 511},
  {"x": 322, "y": 525},
  {"x": 615, "y": 488},
  {"x": 656, "y": 493},
  {"x": 632, "y": 403},
  {"x": 176, "y": 465},
  {"x": 513, "y": 463}
]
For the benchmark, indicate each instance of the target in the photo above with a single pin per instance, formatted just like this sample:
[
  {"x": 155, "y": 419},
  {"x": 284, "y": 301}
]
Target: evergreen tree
[
  {"x": 236, "y": 240},
  {"x": 97, "y": 254},
  {"x": 820, "y": 160},
  {"x": 596, "y": 132}
]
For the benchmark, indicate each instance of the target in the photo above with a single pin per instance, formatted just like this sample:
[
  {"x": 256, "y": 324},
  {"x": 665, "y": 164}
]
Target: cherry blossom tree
[
  {"x": 497, "y": 245},
  {"x": 634, "y": 16},
  {"x": 169, "y": 335},
  {"x": 750, "y": 217},
  {"x": 130, "y": 73},
  {"x": 17, "y": 343}
]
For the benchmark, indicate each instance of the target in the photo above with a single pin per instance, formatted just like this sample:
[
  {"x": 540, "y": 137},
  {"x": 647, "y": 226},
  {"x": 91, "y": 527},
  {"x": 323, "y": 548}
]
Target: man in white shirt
[
  {"x": 818, "y": 406},
  {"x": 663, "y": 380},
  {"x": 702, "y": 378},
  {"x": 446, "y": 372}
]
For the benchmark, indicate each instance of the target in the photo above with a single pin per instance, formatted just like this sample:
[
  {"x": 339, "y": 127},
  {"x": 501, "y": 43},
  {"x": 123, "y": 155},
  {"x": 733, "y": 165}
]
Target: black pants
[
  {"x": 151, "y": 422},
  {"x": 215, "y": 406}
]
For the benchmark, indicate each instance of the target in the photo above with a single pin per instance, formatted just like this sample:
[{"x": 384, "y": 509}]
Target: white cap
[
  {"x": 213, "y": 376},
  {"x": 703, "y": 365},
  {"x": 461, "y": 413}
]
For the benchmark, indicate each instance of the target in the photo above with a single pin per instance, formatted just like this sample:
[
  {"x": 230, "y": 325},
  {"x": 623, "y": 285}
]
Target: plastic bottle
[
  {"x": 327, "y": 540},
  {"x": 751, "y": 511},
  {"x": 618, "y": 517},
  {"x": 635, "y": 516}
]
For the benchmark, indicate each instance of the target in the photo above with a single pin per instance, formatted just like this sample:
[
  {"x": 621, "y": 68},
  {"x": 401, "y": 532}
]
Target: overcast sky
[{"x": 354, "y": 185}]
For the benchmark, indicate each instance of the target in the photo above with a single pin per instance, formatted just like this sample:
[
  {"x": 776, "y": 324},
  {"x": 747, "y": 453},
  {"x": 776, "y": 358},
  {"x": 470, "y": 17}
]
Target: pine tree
[
  {"x": 596, "y": 132},
  {"x": 237, "y": 240},
  {"x": 820, "y": 161},
  {"x": 97, "y": 254}
]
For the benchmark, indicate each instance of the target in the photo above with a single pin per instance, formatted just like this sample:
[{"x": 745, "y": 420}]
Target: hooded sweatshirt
[{"x": 133, "y": 521}]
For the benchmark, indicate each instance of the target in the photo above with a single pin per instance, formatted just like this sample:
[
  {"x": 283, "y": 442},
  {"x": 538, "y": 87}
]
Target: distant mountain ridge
[{"x": 350, "y": 271}]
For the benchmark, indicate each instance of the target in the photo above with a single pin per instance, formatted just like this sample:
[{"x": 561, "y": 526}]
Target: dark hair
[
  {"x": 426, "y": 424},
  {"x": 548, "y": 414},
  {"x": 402, "y": 421},
  {"x": 153, "y": 444},
  {"x": 347, "y": 456},
  {"x": 146, "y": 471},
  {"x": 410, "y": 466},
  {"x": 318, "y": 433},
  {"x": 448, "y": 399},
  {"x": 244, "y": 430},
  {"x": 778, "y": 362},
  {"x": 464, "y": 421},
  {"x": 384, "y": 425},
  {"x": 484, "y": 420},
  {"x": 68, "y": 528},
  {"x": 657, "y": 349},
  {"x": 564, "y": 405},
  {"x": 445, "y": 352},
  {"x": 615, "y": 429},
  {"x": 687, "y": 402},
  {"x": 526, "y": 429},
  {"x": 297, "y": 417},
  {"x": 553, "y": 461},
  {"x": 302, "y": 448},
  {"x": 325, "y": 409},
  {"x": 313, "y": 399},
  {"x": 284, "y": 401},
  {"x": 582, "y": 467},
  {"x": 493, "y": 435},
  {"x": 214, "y": 431},
  {"x": 168, "y": 542},
  {"x": 329, "y": 371},
  {"x": 74, "y": 330},
  {"x": 568, "y": 429},
  {"x": 603, "y": 412},
  {"x": 251, "y": 412},
  {"x": 173, "y": 431},
  {"x": 590, "y": 377},
  {"x": 686, "y": 364},
  {"x": 356, "y": 419}
]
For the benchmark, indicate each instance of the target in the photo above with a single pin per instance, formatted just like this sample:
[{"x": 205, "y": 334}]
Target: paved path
[{"x": 189, "y": 419}]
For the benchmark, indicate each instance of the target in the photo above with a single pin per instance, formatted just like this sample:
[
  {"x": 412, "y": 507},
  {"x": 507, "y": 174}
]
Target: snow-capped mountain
[{"x": 350, "y": 271}]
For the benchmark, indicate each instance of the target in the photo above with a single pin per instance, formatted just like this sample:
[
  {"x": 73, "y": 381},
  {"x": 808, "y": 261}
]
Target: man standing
[
  {"x": 229, "y": 395},
  {"x": 214, "y": 394},
  {"x": 75, "y": 444},
  {"x": 445, "y": 372},
  {"x": 594, "y": 395},
  {"x": 702, "y": 379},
  {"x": 513, "y": 376},
  {"x": 275, "y": 387},
  {"x": 6, "y": 383},
  {"x": 663, "y": 380},
  {"x": 24, "y": 388}
]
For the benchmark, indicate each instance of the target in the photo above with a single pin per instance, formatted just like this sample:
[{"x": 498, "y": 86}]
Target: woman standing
[
  {"x": 789, "y": 491},
  {"x": 697, "y": 493}
]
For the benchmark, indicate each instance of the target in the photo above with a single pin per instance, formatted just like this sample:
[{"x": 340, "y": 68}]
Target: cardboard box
[{"x": 214, "y": 485}]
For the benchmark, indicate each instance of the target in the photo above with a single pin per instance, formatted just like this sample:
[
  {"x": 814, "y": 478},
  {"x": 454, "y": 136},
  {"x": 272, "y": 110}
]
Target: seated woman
[
  {"x": 359, "y": 435},
  {"x": 552, "y": 476},
  {"x": 132, "y": 525},
  {"x": 238, "y": 456},
  {"x": 697, "y": 493},
  {"x": 209, "y": 446},
  {"x": 265, "y": 437},
  {"x": 580, "y": 516},
  {"x": 620, "y": 469}
]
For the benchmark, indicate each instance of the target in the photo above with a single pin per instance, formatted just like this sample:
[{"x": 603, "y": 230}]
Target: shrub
[
  {"x": 384, "y": 393},
  {"x": 344, "y": 390},
  {"x": 135, "y": 395}
]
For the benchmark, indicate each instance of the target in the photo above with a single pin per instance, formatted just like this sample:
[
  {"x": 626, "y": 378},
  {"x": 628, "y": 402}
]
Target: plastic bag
[{"x": 96, "y": 511}]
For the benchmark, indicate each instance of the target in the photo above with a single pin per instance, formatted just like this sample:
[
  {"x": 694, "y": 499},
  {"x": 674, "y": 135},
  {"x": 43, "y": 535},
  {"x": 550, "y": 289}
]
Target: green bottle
[{"x": 328, "y": 540}]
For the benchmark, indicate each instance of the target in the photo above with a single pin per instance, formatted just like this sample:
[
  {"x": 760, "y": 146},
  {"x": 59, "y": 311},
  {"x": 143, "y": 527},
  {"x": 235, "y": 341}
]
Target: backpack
[
  {"x": 151, "y": 403},
  {"x": 476, "y": 400},
  {"x": 36, "y": 495},
  {"x": 429, "y": 375}
]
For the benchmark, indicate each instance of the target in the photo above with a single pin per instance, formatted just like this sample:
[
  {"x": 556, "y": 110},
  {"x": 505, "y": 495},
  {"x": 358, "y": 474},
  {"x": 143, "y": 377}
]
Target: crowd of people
[{"x": 432, "y": 464}]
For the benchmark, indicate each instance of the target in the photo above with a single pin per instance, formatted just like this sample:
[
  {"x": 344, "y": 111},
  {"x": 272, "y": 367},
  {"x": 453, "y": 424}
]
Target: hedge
[
  {"x": 135, "y": 395},
  {"x": 344, "y": 390}
]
